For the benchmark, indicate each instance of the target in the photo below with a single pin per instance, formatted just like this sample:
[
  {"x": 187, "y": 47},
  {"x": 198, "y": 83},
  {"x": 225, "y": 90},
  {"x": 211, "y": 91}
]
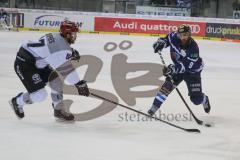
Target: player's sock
[{"x": 159, "y": 99}]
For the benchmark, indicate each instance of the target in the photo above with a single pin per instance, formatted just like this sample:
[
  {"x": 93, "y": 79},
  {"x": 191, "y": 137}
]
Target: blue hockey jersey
[{"x": 184, "y": 56}]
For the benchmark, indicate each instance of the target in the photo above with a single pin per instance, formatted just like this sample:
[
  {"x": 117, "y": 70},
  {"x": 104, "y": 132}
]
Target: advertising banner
[
  {"x": 163, "y": 11},
  {"x": 222, "y": 30},
  {"x": 127, "y": 24},
  {"x": 147, "y": 26},
  {"x": 52, "y": 21}
]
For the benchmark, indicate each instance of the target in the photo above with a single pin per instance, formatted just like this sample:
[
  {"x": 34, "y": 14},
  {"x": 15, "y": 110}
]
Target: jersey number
[
  {"x": 40, "y": 44},
  {"x": 190, "y": 65},
  {"x": 50, "y": 38}
]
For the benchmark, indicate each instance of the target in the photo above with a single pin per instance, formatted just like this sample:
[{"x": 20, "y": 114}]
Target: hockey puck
[{"x": 208, "y": 125}]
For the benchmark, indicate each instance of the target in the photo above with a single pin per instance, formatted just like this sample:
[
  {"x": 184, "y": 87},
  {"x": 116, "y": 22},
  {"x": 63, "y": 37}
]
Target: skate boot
[
  {"x": 206, "y": 104},
  {"x": 17, "y": 108},
  {"x": 153, "y": 110},
  {"x": 63, "y": 115}
]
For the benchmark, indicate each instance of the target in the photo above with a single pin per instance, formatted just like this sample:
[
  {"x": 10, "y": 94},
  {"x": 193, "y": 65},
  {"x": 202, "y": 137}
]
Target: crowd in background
[
  {"x": 178, "y": 3},
  {"x": 236, "y": 5},
  {"x": 198, "y": 8}
]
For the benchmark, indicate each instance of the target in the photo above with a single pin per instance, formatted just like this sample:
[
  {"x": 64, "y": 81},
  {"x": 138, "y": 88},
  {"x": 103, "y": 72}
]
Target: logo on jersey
[
  {"x": 19, "y": 73},
  {"x": 36, "y": 78},
  {"x": 69, "y": 56}
]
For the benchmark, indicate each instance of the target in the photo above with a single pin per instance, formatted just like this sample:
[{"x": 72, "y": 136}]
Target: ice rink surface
[{"x": 119, "y": 135}]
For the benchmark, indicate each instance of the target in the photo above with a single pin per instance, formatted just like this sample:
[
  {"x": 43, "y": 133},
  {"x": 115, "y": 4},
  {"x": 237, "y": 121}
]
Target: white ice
[{"x": 39, "y": 136}]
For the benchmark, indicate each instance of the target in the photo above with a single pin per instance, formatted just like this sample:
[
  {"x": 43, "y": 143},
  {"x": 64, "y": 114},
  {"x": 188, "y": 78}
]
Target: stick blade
[{"x": 193, "y": 130}]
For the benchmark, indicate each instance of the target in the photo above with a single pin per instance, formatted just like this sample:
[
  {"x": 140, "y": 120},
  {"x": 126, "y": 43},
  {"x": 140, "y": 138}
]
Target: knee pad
[
  {"x": 39, "y": 95},
  {"x": 197, "y": 99}
]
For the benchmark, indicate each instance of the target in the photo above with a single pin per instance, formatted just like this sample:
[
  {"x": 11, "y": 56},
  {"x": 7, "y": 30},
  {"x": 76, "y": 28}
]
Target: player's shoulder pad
[{"x": 173, "y": 34}]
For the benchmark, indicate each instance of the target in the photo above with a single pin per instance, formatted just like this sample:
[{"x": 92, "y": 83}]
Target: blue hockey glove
[
  {"x": 169, "y": 70},
  {"x": 75, "y": 55},
  {"x": 158, "y": 45},
  {"x": 173, "y": 69}
]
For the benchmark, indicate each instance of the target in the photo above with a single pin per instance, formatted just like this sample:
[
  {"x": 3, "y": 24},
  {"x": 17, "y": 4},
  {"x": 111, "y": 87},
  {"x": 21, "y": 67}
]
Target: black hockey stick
[
  {"x": 139, "y": 112},
  {"x": 179, "y": 93}
]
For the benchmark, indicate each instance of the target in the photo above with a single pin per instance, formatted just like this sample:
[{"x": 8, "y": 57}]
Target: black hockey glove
[
  {"x": 82, "y": 88},
  {"x": 169, "y": 70},
  {"x": 158, "y": 45},
  {"x": 75, "y": 55}
]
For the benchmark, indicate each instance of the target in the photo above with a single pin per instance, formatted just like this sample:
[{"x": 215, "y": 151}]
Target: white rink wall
[{"x": 204, "y": 28}]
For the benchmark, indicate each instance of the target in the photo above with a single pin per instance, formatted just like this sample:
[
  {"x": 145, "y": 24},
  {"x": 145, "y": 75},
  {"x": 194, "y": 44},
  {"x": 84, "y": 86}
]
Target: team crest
[
  {"x": 68, "y": 56},
  {"x": 36, "y": 78}
]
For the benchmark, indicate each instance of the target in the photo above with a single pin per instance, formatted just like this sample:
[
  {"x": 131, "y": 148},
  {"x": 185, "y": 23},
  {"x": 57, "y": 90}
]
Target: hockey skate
[
  {"x": 206, "y": 104},
  {"x": 60, "y": 114},
  {"x": 16, "y": 108},
  {"x": 152, "y": 110}
]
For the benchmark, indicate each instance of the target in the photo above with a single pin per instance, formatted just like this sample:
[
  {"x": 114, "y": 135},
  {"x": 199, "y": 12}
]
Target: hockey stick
[
  {"x": 139, "y": 112},
  {"x": 179, "y": 93}
]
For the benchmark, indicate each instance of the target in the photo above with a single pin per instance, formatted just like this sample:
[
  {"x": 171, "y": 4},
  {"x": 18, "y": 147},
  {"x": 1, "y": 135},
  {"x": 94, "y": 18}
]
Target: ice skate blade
[{"x": 60, "y": 120}]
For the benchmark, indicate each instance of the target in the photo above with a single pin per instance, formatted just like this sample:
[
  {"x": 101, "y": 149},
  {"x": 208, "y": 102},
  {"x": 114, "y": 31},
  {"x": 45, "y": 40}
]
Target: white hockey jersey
[{"x": 52, "y": 49}]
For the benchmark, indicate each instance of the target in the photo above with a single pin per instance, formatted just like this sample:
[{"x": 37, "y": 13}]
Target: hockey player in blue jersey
[{"x": 187, "y": 66}]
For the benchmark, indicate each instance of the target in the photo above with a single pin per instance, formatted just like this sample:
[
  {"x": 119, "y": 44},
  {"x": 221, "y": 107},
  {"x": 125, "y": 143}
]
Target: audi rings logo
[{"x": 195, "y": 28}]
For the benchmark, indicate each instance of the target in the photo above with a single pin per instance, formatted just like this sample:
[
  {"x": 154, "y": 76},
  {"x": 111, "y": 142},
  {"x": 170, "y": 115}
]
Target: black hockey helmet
[{"x": 184, "y": 29}]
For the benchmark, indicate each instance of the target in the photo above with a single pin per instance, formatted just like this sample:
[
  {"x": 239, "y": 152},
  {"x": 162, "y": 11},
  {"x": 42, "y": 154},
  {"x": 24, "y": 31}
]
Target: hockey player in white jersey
[
  {"x": 3, "y": 20},
  {"x": 35, "y": 61}
]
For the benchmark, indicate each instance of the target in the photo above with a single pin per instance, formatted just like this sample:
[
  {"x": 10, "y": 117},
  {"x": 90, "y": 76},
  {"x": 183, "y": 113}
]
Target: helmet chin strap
[{"x": 69, "y": 38}]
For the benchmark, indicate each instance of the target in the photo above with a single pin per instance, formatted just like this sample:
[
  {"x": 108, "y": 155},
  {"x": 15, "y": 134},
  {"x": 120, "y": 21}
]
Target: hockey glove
[
  {"x": 75, "y": 55},
  {"x": 169, "y": 70},
  {"x": 158, "y": 45},
  {"x": 179, "y": 67},
  {"x": 82, "y": 88},
  {"x": 173, "y": 69}
]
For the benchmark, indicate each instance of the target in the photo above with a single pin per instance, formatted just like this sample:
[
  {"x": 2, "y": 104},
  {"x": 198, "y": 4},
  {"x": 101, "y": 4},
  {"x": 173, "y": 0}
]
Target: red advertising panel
[{"x": 145, "y": 26}]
